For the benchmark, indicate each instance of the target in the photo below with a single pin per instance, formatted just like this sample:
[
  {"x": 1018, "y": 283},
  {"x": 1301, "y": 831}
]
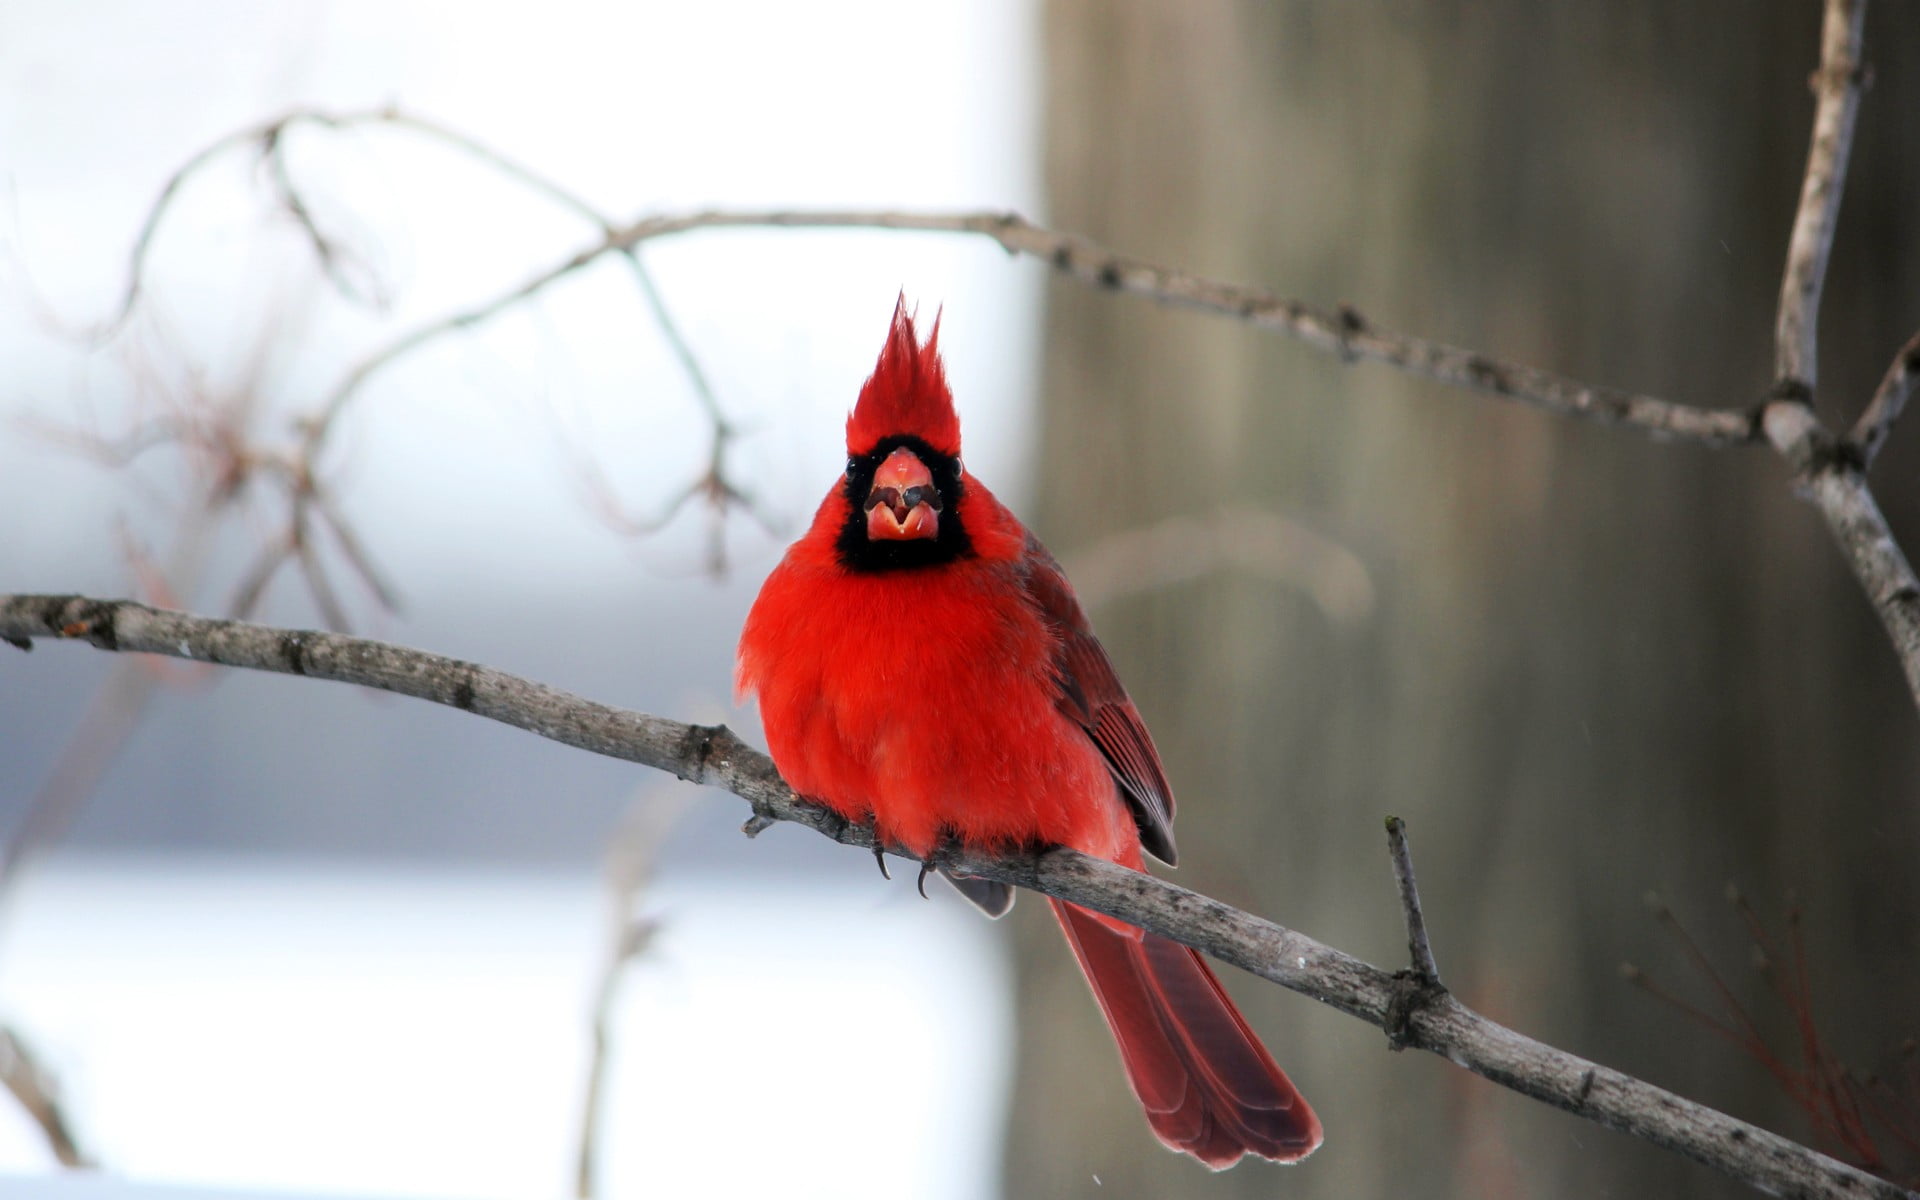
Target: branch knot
[
  {"x": 1789, "y": 389},
  {"x": 1411, "y": 992},
  {"x": 80, "y": 617},
  {"x": 696, "y": 748}
]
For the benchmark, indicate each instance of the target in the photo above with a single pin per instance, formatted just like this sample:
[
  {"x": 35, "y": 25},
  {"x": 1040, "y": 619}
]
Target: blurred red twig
[{"x": 1854, "y": 1116}]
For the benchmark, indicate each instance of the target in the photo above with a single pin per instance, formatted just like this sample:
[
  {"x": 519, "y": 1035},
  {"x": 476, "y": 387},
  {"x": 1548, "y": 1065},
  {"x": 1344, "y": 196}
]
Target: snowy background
[{"x": 304, "y": 939}]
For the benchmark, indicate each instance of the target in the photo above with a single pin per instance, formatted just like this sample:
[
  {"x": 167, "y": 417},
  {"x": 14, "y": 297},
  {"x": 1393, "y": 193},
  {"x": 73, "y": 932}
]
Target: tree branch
[
  {"x": 1835, "y": 484},
  {"x": 39, "y": 1094},
  {"x": 712, "y": 756},
  {"x": 1419, "y": 949},
  {"x": 1836, "y": 87},
  {"x": 1829, "y": 473},
  {"x": 1344, "y": 333},
  {"x": 1889, "y": 399}
]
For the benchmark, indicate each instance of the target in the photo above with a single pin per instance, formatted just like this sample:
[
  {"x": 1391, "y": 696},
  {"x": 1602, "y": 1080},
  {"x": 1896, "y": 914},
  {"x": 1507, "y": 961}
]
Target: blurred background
[{"x": 281, "y": 937}]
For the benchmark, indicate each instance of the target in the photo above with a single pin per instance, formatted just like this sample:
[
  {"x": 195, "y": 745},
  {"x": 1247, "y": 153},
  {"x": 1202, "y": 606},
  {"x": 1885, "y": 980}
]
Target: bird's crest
[{"x": 907, "y": 392}]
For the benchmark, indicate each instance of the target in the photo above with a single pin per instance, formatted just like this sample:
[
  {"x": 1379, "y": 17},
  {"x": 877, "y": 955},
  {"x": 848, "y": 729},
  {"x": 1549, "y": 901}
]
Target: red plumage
[
  {"x": 907, "y": 394},
  {"x": 921, "y": 662}
]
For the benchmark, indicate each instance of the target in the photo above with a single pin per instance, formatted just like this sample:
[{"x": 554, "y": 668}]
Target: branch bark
[
  {"x": 1889, "y": 401},
  {"x": 1343, "y": 332},
  {"x": 710, "y": 755},
  {"x": 35, "y": 1089},
  {"x": 1419, "y": 949},
  {"x": 1836, "y": 87},
  {"x": 1828, "y": 472}
]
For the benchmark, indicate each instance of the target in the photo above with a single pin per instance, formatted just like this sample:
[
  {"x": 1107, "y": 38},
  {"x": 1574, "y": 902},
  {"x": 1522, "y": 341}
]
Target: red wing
[{"x": 1091, "y": 694}]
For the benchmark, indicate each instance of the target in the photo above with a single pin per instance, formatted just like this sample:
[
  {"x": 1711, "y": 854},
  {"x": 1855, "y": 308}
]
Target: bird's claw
[
  {"x": 880, "y": 857},
  {"x": 926, "y": 865}
]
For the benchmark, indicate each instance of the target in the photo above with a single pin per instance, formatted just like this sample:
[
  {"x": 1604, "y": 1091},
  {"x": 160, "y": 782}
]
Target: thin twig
[
  {"x": 269, "y": 140},
  {"x": 1849, "y": 1113},
  {"x": 1889, "y": 400},
  {"x": 318, "y": 586},
  {"x": 328, "y": 515},
  {"x": 253, "y": 583},
  {"x": 1836, "y": 87},
  {"x": 632, "y": 864},
  {"x": 1736, "y": 1026},
  {"x": 39, "y": 1094},
  {"x": 1419, "y": 949},
  {"x": 682, "y": 349},
  {"x": 332, "y": 255},
  {"x": 713, "y": 756},
  {"x": 156, "y": 214}
]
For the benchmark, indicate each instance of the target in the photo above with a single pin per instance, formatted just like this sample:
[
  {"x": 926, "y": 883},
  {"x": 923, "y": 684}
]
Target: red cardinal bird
[{"x": 921, "y": 663}]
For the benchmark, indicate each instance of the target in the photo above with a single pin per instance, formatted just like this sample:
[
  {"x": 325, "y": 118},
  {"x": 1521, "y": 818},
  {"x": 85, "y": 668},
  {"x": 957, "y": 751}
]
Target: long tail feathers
[{"x": 1209, "y": 1087}]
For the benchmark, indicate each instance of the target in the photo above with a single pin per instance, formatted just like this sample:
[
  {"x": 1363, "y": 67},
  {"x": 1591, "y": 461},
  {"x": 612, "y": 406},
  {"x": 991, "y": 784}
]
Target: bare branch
[
  {"x": 36, "y": 1090},
  {"x": 253, "y": 584},
  {"x": 335, "y": 258},
  {"x": 329, "y": 516},
  {"x": 1835, "y": 485},
  {"x": 1345, "y": 333},
  {"x": 1836, "y": 86},
  {"x": 713, "y": 756},
  {"x": 267, "y": 137},
  {"x": 162, "y": 205},
  {"x": 512, "y": 168},
  {"x": 670, "y": 330},
  {"x": 1889, "y": 400},
  {"x": 1419, "y": 949},
  {"x": 631, "y": 865},
  {"x": 318, "y": 585},
  {"x": 1828, "y": 473},
  {"x": 1855, "y": 520},
  {"x": 343, "y": 269}
]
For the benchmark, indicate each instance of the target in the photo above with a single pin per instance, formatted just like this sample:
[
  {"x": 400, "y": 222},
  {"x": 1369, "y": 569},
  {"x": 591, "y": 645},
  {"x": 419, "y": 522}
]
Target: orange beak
[{"x": 903, "y": 504}]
